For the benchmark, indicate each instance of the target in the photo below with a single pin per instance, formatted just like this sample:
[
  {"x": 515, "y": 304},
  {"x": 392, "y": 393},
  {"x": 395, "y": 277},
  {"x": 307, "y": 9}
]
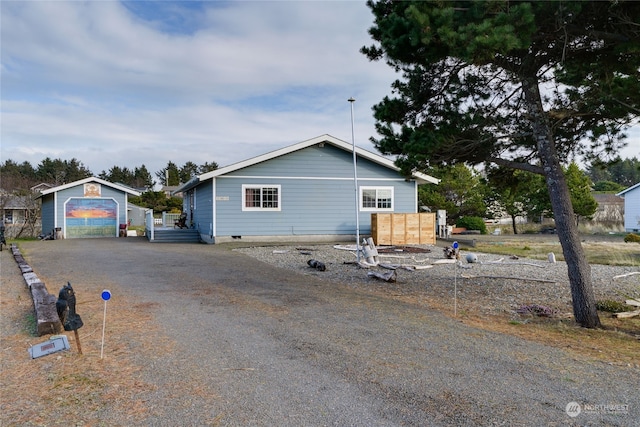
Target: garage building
[{"x": 88, "y": 208}]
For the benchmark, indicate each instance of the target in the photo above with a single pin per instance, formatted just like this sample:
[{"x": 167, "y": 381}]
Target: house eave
[
  {"x": 623, "y": 192},
  {"x": 187, "y": 185},
  {"x": 322, "y": 139},
  {"x": 86, "y": 180}
]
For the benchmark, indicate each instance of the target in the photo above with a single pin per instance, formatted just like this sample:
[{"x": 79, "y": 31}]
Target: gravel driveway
[{"x": 245, "y": 343}]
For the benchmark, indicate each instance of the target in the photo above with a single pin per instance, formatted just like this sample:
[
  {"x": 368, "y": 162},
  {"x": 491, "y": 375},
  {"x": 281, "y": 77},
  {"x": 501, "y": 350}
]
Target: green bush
[
  {"x": 632, "y": 238},
  {"x": 612, "y": 306},
  {"x": 472, "y": 223}
]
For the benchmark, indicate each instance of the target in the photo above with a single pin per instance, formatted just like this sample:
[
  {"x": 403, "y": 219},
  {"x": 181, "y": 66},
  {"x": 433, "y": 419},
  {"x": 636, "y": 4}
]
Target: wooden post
[{"x": 75, "y": 333}]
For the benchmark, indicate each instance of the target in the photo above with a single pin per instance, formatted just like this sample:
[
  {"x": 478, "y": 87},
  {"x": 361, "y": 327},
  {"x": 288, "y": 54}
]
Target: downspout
[
  {"x": 126, "y": 215},
  {"x": 55, "y": 210},
  {"x": 214, "y": 231}
]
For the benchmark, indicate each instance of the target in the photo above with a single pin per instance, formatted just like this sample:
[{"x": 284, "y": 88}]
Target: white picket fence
[{"x": 167, "y": 219}]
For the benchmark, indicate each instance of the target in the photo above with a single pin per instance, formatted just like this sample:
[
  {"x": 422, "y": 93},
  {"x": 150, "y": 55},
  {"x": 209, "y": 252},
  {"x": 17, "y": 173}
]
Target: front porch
[
  {"x": 173, "y": 235},
  {"x": 163, "y": 230}
]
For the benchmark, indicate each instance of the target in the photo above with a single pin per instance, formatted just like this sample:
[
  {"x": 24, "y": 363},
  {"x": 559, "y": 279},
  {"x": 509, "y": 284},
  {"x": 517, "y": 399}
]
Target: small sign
[
  {"x": 55, "y": 344},
  {"x": 455, "y": 245},
  {"x": 106, "y": 296},
  {"x": 222, "y": 198},
  {"x": 92, "y": 190}
]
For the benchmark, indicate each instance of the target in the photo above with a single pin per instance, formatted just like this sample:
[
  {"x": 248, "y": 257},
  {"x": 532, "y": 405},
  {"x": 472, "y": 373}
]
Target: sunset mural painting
[
  {"x": 91, "y": 207},
  {"x": 91, "y": 217}
]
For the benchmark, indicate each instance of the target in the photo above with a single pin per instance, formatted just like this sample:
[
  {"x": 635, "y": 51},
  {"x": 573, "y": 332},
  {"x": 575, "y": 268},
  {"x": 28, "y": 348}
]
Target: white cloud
[
  {"x": 92, "y": 81},
  {"x": 216, "y": 82}
]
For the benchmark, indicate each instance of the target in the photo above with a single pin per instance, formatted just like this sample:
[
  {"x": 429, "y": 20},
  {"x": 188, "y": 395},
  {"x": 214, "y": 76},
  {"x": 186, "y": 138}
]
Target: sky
[{"x": 131, "y": 83}]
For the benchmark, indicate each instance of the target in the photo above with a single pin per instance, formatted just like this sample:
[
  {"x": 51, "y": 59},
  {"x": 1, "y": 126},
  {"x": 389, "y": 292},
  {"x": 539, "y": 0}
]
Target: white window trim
[
  {"x": 261, "y": 209},
  {"x": 376, "y": 209}
]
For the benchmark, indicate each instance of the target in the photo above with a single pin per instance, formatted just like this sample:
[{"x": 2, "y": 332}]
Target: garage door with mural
[{"x": 91, "y": 217}]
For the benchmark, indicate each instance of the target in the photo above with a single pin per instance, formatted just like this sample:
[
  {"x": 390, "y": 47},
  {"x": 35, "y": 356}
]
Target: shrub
[
  {"x": 536, "y": 310},
  {"x": 612, "y": 306},
  {"x": 632, "y": 238},
  {"x": 472, "y": 223}
]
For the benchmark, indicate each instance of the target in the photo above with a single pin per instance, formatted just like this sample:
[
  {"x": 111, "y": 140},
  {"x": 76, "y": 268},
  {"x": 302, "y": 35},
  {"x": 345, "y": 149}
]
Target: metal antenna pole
[{"x": 355, "y": 183}]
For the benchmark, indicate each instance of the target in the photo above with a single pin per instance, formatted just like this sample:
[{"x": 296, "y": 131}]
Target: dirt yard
[{"x": 198, "y": 335}]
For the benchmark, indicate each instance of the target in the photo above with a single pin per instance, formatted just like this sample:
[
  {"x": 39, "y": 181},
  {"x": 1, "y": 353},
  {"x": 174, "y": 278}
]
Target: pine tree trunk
[{"x": 584, "y": 306}]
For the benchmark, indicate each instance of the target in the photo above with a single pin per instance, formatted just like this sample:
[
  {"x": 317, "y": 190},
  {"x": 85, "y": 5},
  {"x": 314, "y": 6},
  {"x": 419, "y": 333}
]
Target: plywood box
[{"x": 403, "y": 229}]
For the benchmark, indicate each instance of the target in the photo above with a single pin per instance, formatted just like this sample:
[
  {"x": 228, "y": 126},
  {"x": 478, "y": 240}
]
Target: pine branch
[{"x": 516, "y": 165}]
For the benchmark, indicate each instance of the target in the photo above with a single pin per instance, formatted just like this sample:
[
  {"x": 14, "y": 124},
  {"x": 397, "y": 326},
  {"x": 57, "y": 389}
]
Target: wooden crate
[{"x": 403, "y": 229}]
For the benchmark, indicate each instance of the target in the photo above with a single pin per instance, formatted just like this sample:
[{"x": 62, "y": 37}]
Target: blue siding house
[
  {"x": 302, "y": 192},
  {"x": 90, "y": 207},
  {"x": 631, "y": 208}
]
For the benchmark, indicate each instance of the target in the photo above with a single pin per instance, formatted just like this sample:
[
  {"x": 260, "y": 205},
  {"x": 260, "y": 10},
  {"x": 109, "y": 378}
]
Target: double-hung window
[
  {"x": 376, "y": 198},
  {"x": 261, "y": 197}
]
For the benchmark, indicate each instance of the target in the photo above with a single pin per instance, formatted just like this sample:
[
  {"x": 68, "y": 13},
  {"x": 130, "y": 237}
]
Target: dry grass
[
  {"x": 64, "y": 386},
  {"x": 610, "y": 252},
  {"x": 617, "y": 343}
]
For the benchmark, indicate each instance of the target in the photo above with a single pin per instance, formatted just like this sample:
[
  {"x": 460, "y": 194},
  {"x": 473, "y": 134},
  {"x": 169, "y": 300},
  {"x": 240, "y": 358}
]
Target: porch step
[{"x": 176, "y": 236}]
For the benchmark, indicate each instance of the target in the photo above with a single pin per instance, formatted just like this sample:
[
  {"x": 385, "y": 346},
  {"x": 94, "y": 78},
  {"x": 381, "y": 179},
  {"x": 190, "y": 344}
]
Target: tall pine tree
[{"x": 518, "y": 84}]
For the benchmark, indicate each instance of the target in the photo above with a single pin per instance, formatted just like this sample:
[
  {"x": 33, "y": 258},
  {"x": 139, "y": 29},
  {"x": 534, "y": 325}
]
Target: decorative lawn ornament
[{"x": 66, "y": 307}]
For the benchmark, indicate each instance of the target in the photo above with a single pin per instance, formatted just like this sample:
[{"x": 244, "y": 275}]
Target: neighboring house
[
  {"x": 136, "y": 215},
  {"x": 610, "y": 209},
  {"x": 170, "y": 190},
  {"x": 304, "y": 191},
  {"x": 41, "y": 187},
  {"x": 90, "y": 207},
  {"x": 17, "y": 208},
  {"x": 14, "y": 208},
  {"x": 631, "y": 208},
  {"x": 20, "y": 215}
]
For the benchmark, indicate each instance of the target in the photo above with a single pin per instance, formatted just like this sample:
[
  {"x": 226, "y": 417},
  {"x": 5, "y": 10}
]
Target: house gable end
[
  {"x": 320, "y": 162},
  {"x": 320, "y": 141},
  {"x": 118, "y": 187}
]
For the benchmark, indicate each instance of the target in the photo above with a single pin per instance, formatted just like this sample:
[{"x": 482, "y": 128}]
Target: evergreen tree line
[
  {"x": 22, "y": 176},
  {"x": 19, "y": 178},
  {"x": 463, "y": 192}
]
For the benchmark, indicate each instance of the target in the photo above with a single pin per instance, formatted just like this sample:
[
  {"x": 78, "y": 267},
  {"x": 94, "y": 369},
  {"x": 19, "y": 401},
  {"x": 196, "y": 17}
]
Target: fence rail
[{"x": 166, "y": 220}]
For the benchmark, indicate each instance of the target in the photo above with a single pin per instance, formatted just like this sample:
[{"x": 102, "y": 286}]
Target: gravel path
[
  {"x": 244, "y": 342},
  {"x": 492, "y": 284}
]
